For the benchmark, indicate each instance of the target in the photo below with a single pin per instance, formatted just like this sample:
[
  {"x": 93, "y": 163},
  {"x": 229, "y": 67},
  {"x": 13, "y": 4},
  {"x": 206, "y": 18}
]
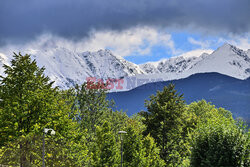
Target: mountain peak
[
  {"x": 104, "y": 51},
  {"x": 107, "y": 52},
  {"x": 226, "y": 46},
  {"x": 228, "y": 49}
]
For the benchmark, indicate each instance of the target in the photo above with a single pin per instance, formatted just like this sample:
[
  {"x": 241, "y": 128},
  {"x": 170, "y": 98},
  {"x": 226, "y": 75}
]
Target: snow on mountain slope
[
  {"x": 68, "y": 68},
  {"x": 227, "y": 60},
  {"x": 175, "y": 64}
]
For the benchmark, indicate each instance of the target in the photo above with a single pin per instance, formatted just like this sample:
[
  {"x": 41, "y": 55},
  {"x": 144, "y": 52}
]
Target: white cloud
[
  {"x": 196, "y": 52},
  {"x": 137, "y": 41},
  {"x": 242, "y": 43},
  {"x": 202, "y": 44}
]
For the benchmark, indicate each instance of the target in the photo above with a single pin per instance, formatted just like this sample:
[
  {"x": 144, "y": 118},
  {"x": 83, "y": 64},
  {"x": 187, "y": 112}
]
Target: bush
[{"x": 220, "y": 142}]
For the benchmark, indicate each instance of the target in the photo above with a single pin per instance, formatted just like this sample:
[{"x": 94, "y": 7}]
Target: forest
[{"x": 169, "y": 133}]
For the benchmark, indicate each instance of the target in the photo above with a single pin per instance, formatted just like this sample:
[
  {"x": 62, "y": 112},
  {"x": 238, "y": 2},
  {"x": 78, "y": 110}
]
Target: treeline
[{"x": 170, "y": 133}]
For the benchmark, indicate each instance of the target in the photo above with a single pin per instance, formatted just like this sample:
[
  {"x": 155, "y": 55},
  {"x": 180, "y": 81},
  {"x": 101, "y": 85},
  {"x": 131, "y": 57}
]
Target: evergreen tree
[
  {"x": 106, "y": 151},
  {"x": 164, "y": 122},
  {"x": 29, "y": 104},
  {"x": 133, "y": 145},
  {"x": 139, "y": 150},
  {"x": 152, "y": 153},
  {"x": 92, "y": 110},
  {"x": 92, "y": 106}
]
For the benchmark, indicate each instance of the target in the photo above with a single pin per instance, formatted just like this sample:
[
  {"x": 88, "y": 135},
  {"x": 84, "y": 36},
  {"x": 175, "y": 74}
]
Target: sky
[{"x": 138, "y": 30}]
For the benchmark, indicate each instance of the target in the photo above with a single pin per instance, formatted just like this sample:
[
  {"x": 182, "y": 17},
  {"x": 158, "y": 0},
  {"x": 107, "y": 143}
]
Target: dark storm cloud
[{"x": 24, "y": 19}]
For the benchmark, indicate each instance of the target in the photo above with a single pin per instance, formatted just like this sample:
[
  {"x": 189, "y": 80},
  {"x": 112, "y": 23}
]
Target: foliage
[
  {"x": 219, "y": 143},
  {"x": 139, "y": 150},
  {"x": 133, "y": 146},
  {"x": 106, "y": 152},
  {"x": 29, "y": 104},
  {"x": 203, "y": 110},
  {"x": 164, "y": 122},
  {"x": 217, "y": 140},
  {"x": 92, "y": 107},
  {"x": 92, "y": 110},
  {"x": 152, "y": 153}
]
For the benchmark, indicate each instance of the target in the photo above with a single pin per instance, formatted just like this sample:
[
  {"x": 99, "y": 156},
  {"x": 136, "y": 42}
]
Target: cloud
[
  {"x": 26, "y": 19},
  {"x": 241, "y": 42},
  {"x": 202, "y": 44},
  {"x": 196, "y": 52},
  {"x": 137, "y": 41}
]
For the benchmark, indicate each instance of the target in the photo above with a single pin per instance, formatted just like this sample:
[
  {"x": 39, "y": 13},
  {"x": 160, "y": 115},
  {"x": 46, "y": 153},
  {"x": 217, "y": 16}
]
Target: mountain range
[
  {"x": 67, "y": 67},
  {"x": 221, "y": 77},
  {"x": 221, "y": 90},
  {"x": 227, "y": 60}
]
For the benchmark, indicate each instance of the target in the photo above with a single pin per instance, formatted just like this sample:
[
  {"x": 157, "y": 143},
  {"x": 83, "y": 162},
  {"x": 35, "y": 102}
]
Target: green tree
[
  {"x": 203, "y": 110},
  {"x": 152, "y": 153},
  {"x": 92, "y": 106},
  {"x": 29, "y": 104},
  {"x": 219, "y": 142},
  {"x": 105, "y": 151},
  {"x": 92, "y": 110},
  {"x": 139, "y": 150},
  {"x": 216, "y": 138},
  {"x": 133, "y": 145},
  {"x": 164, "y": 122}
]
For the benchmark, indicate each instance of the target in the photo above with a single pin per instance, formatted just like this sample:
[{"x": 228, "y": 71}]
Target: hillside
[{"x": 223, "y": 91}]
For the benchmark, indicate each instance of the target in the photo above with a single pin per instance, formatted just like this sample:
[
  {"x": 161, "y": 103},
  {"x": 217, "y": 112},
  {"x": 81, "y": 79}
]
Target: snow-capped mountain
[
  {"x": 177, "y": 64},
  {"x": 67, "y": 67},
  {"x": 227, "y": 60}
]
